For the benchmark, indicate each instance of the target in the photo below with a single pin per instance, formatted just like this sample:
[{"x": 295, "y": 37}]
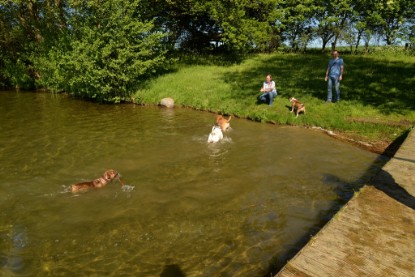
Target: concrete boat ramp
[{"x": 374, "y": 233}]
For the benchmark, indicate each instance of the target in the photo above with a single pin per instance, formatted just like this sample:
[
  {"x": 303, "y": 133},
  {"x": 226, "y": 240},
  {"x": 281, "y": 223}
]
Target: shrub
[{"x": 105, "y": 59}]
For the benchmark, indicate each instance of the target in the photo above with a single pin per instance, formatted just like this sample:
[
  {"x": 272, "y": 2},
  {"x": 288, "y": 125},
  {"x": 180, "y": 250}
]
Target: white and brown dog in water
[
  {"x": 101, "y": 182},
  {"x": 297, "y": 106},
  {"x": 215, "y": 135}
]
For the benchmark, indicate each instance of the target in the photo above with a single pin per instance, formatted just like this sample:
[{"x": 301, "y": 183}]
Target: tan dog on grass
[
  {"x": 101, "y": 182},
  {"x": 223, "y": 122},
  {"x": 297, "y": 105}
]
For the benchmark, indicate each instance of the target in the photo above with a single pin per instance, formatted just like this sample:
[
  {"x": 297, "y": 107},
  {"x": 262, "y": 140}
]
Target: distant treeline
[{"x": 103, "y": 49}]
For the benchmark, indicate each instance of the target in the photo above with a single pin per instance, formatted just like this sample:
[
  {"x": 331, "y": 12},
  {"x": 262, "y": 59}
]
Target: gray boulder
[{"x": 167, "y": 102}]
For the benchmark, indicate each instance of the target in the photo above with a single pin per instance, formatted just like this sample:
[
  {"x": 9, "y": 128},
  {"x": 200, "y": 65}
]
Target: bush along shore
[{"x": 376, "y": 111}]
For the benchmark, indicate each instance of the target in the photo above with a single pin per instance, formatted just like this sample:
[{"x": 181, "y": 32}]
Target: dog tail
[{"x": 229, "y": 118}]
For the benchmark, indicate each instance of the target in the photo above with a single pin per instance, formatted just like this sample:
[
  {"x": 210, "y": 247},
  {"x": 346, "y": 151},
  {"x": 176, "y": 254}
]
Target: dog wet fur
[
  {"x": 215, "y": 135},
  {"x": 108, "y": 176},
  {"x": 223, "y": 122}
]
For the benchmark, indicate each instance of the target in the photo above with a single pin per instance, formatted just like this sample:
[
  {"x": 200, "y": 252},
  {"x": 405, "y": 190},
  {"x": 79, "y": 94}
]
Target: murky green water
[{"x": 230, "y": 209}]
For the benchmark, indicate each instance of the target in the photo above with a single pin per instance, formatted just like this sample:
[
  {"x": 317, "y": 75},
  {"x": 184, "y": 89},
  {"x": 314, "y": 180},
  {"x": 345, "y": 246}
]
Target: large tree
[
  {"x": 297, "y": 22},
  {"x": 392, "y": 16},
  {"x": 247, "y": 25},
  {"x": 105, "y": 53},
  {"x": 26, "y": 26},
  {"x": 187, "y": 24},
  {"x": 333, "y": 18}
]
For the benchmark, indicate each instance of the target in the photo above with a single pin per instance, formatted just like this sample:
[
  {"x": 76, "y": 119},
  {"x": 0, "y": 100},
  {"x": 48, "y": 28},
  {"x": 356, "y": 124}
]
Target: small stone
[{"x": 167, "y": 102}]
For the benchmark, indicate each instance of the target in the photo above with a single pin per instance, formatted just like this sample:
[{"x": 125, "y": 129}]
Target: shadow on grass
[
  {"x": 386, "y": 85},
  {"x": 389, "y": 86}
]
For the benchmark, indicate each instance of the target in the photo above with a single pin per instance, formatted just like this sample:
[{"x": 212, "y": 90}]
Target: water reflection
[
  {"x": 231, "y": 208},
  {"x": 16, "y": 238}
]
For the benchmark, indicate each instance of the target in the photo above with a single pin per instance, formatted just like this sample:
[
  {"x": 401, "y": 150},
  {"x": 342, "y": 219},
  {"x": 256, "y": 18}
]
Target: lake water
[{"x": 236, "y": 208}]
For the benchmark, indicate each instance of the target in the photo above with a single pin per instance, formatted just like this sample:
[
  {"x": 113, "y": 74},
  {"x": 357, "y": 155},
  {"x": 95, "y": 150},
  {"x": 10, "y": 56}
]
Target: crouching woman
[{"x": 269, "y": 92}]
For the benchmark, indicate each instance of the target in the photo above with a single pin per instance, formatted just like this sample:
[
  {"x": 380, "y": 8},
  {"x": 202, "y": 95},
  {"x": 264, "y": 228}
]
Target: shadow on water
[
  {"x": 345, "y": 190},
  {"x": 172, "y": 270},
  {"x": 374, "y": 176}
]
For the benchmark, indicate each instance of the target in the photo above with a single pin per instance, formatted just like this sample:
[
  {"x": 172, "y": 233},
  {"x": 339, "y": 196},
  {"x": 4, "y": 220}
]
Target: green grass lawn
[{"x": 377, "y": 91}]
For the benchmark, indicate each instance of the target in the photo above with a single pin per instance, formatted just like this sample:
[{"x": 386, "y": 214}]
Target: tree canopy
[{"x": 103, "y": 49}]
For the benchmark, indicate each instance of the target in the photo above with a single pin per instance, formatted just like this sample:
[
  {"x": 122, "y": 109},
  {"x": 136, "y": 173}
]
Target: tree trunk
[{"x": 359, "y": 37}]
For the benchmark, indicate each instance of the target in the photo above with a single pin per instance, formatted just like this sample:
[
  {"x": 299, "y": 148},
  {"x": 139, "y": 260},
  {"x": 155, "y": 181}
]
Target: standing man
[{"x": 334, "y": 74}]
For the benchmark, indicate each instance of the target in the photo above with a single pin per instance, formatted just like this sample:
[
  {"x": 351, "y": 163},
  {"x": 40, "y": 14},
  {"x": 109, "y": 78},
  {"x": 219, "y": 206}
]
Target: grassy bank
[{"x": 377, "y": 91}]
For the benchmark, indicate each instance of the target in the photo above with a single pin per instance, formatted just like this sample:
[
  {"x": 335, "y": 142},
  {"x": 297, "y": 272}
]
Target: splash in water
[{"x": 127, "y": 188}]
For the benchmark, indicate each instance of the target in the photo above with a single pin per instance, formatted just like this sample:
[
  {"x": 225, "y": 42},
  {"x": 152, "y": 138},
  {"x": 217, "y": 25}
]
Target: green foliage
[
  {"x": 247, "y": 25},
  {"x": 107, "y": 56},
  {"x": 390, "y": 17},
  {"x": 333, "y": 19},
  {"x": 17, "y": 47},
  {"x": 104, "y": 49},
  {"x": 16, "y": 72}
]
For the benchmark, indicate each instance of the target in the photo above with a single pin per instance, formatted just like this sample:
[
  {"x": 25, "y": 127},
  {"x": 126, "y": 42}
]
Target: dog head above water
[
  {"x": 110, "y": 175},
  {"x": 215, "y": 135}
]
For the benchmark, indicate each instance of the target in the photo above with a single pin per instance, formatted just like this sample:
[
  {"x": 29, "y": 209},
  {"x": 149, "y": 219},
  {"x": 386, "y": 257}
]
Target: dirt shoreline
[
  {"x": 379, "y": 147},
  {"x": 382, "y": 147}
]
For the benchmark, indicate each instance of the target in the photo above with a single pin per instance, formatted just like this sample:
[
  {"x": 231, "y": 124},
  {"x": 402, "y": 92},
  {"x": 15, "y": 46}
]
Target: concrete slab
[
  {"x": 402, "y": 166},
  {"x": 374, "y": 233}
]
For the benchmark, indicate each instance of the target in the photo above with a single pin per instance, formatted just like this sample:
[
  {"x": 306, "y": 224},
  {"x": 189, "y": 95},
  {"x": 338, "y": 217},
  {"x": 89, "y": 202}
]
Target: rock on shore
[{"x": 167, "y": 102}]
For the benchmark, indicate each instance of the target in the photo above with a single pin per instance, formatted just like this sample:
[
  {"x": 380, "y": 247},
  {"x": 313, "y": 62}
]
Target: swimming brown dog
[
  {"x": 101, "y": 182},
  {"x": 223, "y": 122}
]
